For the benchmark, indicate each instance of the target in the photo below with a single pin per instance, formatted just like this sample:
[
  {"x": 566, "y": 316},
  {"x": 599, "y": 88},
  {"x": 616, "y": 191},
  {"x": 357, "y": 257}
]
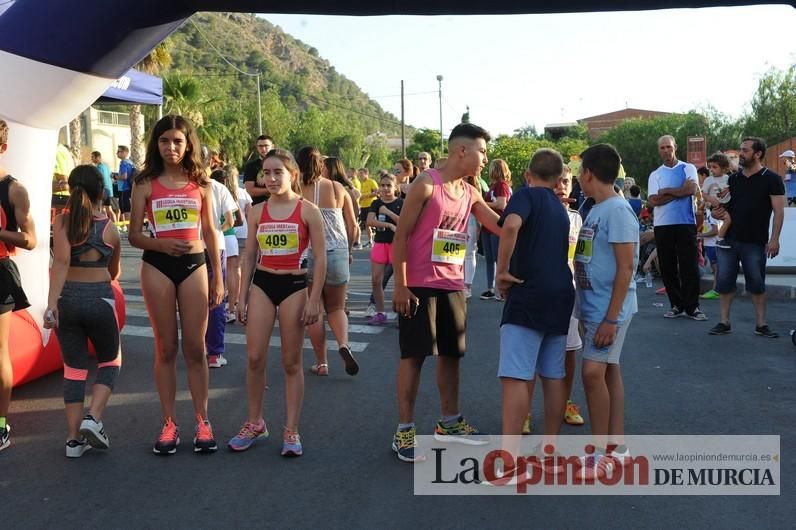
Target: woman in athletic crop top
[
  {"x": 173, "y": 191},
  {"x": 81, "y": 306},
  {"x": 274, "y": 284},
  {"x": 337, "y": 211}
]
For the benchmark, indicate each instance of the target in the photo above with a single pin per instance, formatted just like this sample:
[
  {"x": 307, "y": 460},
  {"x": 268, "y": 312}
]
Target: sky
[{"x": 540, "y": 69}]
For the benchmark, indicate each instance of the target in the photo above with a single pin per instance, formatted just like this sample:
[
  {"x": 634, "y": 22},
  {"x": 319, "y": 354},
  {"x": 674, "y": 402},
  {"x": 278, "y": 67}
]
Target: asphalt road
[{"x": 678, "y": 380}]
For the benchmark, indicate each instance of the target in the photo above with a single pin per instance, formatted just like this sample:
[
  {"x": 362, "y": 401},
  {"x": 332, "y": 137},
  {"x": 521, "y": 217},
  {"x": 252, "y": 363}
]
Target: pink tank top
[{"x": 436, "y": 247}]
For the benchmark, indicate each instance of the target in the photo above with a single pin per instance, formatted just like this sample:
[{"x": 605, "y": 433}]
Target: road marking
[
  {"x": 352, "y": 328},
  {"x": 239, "y": 338}
]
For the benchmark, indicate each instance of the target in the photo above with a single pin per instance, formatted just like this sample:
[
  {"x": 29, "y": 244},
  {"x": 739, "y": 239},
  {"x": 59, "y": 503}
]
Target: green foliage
[
  {"x": 517, "y": 151},
  {"x": 424, "y": 140},
  {"x": 637, "y": 141},
  {"x": 773, "y": 114},
  {"x": 526, "y": 132},
  {"x": 380, "y": 155},
  {"x": 304, "y": 100}
]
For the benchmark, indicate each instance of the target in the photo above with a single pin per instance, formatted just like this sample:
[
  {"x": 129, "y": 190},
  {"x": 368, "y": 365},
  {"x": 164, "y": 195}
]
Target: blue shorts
[
  {"x": 609, "y": 354},
  {"x": 753, "y": 259},
  {"x": 711, "y": 254},
  {"x": 791, "y": 187},
  {"x": 337, "y": 271},
  {"x": 524, "y": 352}
]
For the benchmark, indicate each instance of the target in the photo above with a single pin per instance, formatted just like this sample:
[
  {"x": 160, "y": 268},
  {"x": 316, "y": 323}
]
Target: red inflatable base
[{"x": 29, "y": 358}]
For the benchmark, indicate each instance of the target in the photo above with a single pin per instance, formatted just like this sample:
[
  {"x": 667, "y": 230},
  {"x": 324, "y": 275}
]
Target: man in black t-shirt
[
  {"x": 755, "y": 192},
  {"x": 252, "y": 172}
]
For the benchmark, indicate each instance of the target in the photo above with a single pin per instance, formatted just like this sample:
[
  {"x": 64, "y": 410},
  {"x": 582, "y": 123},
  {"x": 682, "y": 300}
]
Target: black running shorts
[{"x": 437, "y": 328}]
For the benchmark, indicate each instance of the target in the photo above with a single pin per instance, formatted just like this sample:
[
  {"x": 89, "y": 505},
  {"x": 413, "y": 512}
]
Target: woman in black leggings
[{"x": 81, "y": 306}]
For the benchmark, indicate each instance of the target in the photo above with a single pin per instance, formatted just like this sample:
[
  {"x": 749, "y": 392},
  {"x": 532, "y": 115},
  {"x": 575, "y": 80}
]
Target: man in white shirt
[
  {"x": 223, "y": 205},
  {"x": 671, "y": 191}
]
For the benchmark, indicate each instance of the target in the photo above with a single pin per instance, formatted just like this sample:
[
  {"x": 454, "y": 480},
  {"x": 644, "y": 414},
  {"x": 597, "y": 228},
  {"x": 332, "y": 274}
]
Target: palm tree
[
  {"x": 185, "y": 96},
  {"x": 158, "y": 59}
]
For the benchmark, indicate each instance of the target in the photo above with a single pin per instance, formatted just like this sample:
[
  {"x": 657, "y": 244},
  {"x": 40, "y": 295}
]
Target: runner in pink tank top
[
  {"x": 438, "y": 242},
  {"x": 428, "y": 257}
]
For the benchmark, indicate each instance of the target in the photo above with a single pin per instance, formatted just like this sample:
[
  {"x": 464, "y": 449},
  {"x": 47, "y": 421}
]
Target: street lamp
[{"x": 441, "y": 137}]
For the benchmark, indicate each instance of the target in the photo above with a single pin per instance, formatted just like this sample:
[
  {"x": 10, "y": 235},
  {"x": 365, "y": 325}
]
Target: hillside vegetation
[{"x": 304, "y": 99}]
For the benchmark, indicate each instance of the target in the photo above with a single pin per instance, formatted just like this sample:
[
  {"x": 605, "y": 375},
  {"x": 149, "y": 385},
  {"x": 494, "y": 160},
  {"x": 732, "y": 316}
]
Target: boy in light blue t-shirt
[{"x": 606, "y": 257}]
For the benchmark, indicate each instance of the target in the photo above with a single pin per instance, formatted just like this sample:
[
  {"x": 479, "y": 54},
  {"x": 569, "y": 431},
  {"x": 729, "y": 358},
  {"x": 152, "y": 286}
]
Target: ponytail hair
[
  {"x": 309, "y": 164},
  {"x": 86, "y": 189}
]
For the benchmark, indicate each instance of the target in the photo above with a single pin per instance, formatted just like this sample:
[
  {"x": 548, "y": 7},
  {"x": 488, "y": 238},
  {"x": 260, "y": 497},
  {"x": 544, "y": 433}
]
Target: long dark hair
[
  {"x": 309, "y": 163},
  {"x": 336, "y": 170},
  {"x": 86, "y": 189},
  {"x": 191, "y": 162}
]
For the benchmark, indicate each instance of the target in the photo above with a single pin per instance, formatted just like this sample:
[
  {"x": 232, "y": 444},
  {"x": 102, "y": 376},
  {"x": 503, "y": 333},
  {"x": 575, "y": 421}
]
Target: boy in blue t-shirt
[
  {"x": 605, "y": 260},
  {"x": 534, "y": 278}
]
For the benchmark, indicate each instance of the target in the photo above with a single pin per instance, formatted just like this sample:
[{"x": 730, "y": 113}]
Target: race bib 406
[{"x": 175, "y": 214}]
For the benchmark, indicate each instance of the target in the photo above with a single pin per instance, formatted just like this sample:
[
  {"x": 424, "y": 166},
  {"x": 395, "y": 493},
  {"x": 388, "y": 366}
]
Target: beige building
[{"x": 103, "y": 131}]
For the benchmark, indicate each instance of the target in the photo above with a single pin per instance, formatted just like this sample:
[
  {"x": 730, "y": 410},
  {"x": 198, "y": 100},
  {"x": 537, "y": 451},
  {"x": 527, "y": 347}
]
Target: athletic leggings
[{"x": 86, "y": 311}]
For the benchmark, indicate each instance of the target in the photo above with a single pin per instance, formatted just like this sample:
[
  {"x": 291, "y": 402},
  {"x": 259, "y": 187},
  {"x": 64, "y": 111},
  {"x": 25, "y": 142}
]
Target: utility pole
[
  {"x": 259, "y": 107},
  {"x": 441, "y": 136},
  {"x": 403, "y": 123}
]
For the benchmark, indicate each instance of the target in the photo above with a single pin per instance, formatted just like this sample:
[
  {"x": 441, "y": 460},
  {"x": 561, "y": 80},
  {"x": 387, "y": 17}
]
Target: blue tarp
[{"x": 134, "y": 87}]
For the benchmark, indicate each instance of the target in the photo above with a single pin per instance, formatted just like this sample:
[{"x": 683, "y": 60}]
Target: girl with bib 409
[{"x": 275, "y": 286}]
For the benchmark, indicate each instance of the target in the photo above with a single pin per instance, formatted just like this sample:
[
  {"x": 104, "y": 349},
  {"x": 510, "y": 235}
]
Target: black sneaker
[
  {"x": 351, "y": 366},
  {"x": 489, "y": 294},
  {"x": 5, "y": 437},
  {"x": 765, "y": 331},
  {"x": 720, "y": 329},
  {"x": 404, "y": 444},
  {"x": 698, "y": 315},
  {"x": 723, "y": 243},
  {"x": 674, "y": 312}
]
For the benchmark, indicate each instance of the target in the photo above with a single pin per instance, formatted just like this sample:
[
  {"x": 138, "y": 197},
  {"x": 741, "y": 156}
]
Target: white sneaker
[
  {"x": 370, "y": 311},
  {"x": 76, "y": 448},
  {"x": 594, "y": 465},
  {"x": 216, "y": 361},
  {"x": 468, "y": 293},
  {"x": 621, "y": 457},
  {"x": 94, "y": 433},
  {"x": 230, "y": 317}
]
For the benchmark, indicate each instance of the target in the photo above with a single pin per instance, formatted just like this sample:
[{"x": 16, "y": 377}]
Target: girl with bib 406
[{"x": 174, "y": 193}]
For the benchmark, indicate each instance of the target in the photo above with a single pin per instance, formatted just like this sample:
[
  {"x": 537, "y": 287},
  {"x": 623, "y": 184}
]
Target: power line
[
  {"x": 195, "y": 25},
  {"x": 386, "y": 120},
  {"x": 399, "y": 95}
]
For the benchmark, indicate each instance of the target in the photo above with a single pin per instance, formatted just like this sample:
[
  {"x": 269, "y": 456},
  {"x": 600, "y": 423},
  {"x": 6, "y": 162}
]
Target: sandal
[
  {"x": 320, "y": 369},
  {"x": 351, "y": 366}
]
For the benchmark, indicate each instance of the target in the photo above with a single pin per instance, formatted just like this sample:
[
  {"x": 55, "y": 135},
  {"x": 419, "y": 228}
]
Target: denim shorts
[
  {"x": 337, "y": 271},
  {"x": 524, "y": 352},
  {"x": 753, "y": 259},
  {"x": 608, "y": 354},
  {"x": 711, "y": 254}
]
